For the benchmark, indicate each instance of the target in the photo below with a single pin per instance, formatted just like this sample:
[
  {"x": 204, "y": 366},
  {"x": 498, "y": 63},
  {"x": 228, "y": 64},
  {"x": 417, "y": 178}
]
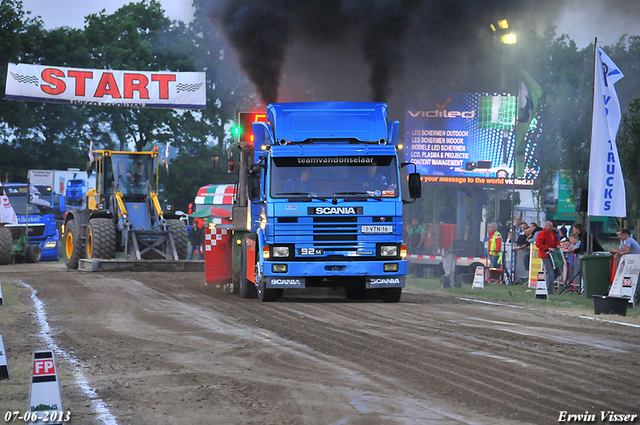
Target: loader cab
[{"x": 129, "y": 173}]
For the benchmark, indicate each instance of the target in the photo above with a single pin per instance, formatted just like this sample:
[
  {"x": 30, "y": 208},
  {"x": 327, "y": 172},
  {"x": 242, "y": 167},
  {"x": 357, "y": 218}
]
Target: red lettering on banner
[
  {"x": 107, "y": 86},
  {"x": 80, "y": 77},
  {"x": 136, "y": 82},
  {"x": 43, "y": 367},
  {"x": 57, "y": 86},
  {"x": 163, "y": 82}
]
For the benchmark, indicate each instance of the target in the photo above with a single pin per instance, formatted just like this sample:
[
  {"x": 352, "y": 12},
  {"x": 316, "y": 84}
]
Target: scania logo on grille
[
  {"x": 285, "y": 281},
  {"x": 384, "y": 281},
  {"x": 334, "y": 210}
]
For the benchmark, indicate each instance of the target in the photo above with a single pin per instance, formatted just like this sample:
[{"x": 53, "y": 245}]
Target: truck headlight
[
  {"x": 50, "y": 244},
  {"x": 389, "y": 250},
  {"x": 280, "y": 251},
  {"x": 279, "y": 268},
  {"x": 391, "y": 267}
]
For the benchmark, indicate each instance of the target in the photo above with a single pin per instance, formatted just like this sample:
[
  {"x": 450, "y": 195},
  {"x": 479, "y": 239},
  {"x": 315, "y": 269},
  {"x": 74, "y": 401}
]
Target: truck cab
[
  {"x": 326, "y": 202},
  {"x": 35, "y": 209}
]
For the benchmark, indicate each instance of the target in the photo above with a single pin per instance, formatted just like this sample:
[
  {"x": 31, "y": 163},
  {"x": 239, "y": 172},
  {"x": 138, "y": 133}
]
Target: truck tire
[
  {"x": 357, "y": 292},
  {"x": 390, "y": 295},
  {"x": 247, "y": 288},
  {"x": 101, "y": 239},
  {"x": 6, "y": 246},
  {"x": 268, "y": 295},
  {"x": 33, "y": 254},
  {"x": 72, "y": 246},
  {"x": 179, "y": 230}
]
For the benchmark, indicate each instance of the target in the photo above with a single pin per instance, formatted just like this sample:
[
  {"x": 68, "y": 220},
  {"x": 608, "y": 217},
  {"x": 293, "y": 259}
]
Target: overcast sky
[
  {"x": 71, "y": 13},
  {"x": 583, "y": 20}
]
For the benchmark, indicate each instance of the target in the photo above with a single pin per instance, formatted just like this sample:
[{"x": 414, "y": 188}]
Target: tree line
[{"x": 139, "y": 36}]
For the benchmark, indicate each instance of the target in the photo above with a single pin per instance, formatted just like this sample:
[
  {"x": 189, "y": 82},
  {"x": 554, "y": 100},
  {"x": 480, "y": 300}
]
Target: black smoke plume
[{"x": 445, "y": 38}]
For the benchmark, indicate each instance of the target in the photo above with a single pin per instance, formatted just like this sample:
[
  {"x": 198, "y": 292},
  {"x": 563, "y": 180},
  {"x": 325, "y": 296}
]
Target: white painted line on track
[
  {"x": 633, "y": 325},
  {"x": 99, "y": 406}
]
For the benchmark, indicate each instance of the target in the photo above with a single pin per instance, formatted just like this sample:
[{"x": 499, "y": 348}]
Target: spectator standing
[
  {"x": 578, "y": 229},
  {"x": 195, "y": 238},
  {"x": 205, "y": 225},
  {"x": 416, "y": 241},
  {"x": 494, "y": 250},
  {"x": 547, "y": 242},
  {"x": 627, "y": 244},
  {"x": 428, "y": 239}
]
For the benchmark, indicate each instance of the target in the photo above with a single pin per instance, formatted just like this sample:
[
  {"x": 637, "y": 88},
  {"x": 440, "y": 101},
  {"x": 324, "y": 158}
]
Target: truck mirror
[
  {"x": 61, "y": 205},
  {"x": 415, "y": 185},
  {"x": 254, "y": 182},
  {"x": 254, "y": 187}
]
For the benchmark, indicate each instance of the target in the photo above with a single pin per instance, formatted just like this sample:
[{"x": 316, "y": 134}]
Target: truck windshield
[
  {"x": 40, "y": 200},
  {"x": 131, "y": 173},
  {"x": 322, "y": 177}
]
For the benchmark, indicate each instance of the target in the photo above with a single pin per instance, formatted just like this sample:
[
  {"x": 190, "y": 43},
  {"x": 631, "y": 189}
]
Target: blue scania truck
[
  {"x": 320, "y": 202},
  {"x": 35, "y": 208}
]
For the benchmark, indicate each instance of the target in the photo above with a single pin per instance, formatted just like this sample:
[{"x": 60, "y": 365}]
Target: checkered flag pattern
[
  {"x": 188, "y": 87},
  {"x": 25, "y": 79},
  {"x": 211, "y": 239}
]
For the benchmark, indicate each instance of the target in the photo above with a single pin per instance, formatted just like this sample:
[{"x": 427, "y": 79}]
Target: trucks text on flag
[
  {"x": 607, "y": 195},
  {"x": 101, "y": 87}
]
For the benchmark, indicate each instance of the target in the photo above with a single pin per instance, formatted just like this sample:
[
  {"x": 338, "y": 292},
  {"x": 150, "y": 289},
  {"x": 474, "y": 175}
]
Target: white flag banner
[
  {"x": 103, "y": 87},
  {"x": 7, "y": 214},
  {"x": 36, "y": 198},
  {"x": 606, "y": 185}
]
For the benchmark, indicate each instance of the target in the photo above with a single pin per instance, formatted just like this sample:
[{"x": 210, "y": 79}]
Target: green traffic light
[{"x": 235, "y": 130}]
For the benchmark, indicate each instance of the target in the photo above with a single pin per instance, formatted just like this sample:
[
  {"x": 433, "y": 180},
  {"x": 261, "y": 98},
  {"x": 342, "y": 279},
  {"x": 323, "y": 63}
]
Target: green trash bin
[{"x": 596, "y": 274}]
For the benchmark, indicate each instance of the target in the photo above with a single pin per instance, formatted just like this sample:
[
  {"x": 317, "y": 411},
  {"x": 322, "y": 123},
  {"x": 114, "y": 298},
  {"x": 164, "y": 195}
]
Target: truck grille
[{"x": 336, "y": 233}]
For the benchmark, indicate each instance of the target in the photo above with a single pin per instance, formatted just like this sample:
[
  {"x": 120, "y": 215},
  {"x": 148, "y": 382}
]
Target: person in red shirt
[{"x": 547, "y": 241}]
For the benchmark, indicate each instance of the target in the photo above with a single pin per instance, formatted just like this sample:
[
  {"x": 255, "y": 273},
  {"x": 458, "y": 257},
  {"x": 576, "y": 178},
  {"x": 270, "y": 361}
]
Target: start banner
[{"x": 102, "y": 87}]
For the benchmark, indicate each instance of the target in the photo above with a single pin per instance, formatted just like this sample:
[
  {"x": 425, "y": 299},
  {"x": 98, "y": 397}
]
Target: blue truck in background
[
  {"x": 320, "y": 202},
  {"x": 35, "y": 210}
]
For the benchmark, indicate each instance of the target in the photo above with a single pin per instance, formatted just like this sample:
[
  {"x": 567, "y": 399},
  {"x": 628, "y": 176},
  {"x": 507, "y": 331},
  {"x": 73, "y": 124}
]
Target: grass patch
[{"x": 517, "y": 294}]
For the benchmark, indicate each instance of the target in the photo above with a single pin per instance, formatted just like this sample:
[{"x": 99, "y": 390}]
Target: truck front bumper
[{"x": 377, "y": 274}]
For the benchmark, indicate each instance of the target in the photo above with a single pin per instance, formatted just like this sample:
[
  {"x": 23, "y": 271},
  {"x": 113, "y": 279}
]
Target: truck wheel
[
  {"x": 179, "y": 230},
  {"x": 101, "y": 238},
  {"x": 247, "y": 288},
  {"x": 6, "y": 246},
  {"x": 390, "y": 295},
  {"x": 72, "y": 245},
  {"x": 268, "y": 295},
  {"x": 33, "y": 254},
  {"x": 358, "y": 292}
]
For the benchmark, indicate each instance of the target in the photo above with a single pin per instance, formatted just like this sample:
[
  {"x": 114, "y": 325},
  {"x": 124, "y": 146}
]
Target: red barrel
[{"x": 218, "y": 264}]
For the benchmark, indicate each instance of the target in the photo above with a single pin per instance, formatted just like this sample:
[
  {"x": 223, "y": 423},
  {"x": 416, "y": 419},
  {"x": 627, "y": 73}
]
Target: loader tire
[
  {"x": 6, "y": 246},
  {"x": 101, "y": 239},
  {"x": 72, "y": 245},
  {"x": 179, "y": 230}
]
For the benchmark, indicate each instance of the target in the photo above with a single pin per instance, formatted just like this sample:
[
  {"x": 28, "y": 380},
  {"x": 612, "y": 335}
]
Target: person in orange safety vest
[{"x": 494, "y": 250}]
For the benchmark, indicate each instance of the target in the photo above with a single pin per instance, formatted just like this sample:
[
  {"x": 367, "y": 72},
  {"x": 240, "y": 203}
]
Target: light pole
[{"x": 506, "y": 37}]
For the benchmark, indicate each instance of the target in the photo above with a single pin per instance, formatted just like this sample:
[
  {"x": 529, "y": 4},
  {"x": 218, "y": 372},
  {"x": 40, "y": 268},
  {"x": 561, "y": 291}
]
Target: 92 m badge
[{"x": 310, "y": 251}]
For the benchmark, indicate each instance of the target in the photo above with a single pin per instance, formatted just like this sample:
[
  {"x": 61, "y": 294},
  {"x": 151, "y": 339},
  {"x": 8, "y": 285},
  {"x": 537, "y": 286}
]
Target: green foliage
[{"x": 628, "y": 143}]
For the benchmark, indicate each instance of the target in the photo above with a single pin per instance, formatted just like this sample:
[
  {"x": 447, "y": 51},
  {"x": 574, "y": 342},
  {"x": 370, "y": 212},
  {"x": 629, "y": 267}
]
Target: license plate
[
  {"x": 376, "y": 229},
  {"x": 310, "y": 251}
]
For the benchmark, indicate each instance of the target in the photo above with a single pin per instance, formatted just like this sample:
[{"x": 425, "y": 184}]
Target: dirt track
[{"x": 164, "y": 348}]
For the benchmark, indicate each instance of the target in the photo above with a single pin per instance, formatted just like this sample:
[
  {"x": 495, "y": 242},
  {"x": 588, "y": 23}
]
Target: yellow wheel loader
[{"x": 123, "y": 214}]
